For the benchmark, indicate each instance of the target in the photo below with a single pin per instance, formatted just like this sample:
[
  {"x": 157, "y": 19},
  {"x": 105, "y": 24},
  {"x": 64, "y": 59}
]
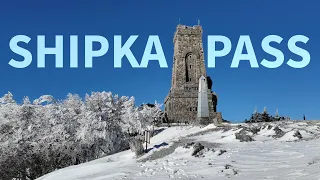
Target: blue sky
[{"x": 293, "y": 91}]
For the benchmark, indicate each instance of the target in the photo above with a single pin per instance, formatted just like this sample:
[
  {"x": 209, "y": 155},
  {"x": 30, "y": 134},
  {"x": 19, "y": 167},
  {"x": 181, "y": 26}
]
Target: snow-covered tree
[
  {"x": 147, "y": 115},
  {"x": 40, "y": 137},
  {"x": 7, "y": 98},
  {"x": 138, "y": 119}
]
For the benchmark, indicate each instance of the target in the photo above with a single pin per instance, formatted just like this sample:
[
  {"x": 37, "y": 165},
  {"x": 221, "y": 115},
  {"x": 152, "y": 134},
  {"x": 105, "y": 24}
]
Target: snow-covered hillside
[{"x": 282, "y": 150}]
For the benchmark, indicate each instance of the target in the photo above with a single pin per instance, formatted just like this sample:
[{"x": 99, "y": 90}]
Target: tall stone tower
[{"x": 188, "y": 66}]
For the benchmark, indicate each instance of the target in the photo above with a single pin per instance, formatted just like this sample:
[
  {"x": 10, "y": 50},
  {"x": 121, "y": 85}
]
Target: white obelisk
[{"x": 203, "y": 106}]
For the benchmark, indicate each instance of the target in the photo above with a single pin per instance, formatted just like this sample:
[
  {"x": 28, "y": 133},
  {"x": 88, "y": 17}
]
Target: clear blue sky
[{"x": 293, "y": 91}]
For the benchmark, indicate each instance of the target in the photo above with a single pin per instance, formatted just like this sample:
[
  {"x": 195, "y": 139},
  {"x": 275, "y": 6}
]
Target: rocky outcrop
[
  {"x": 243, "y": 136},
  {"x": 279, "y": 132},
  {"x": 297, "y": 134}
]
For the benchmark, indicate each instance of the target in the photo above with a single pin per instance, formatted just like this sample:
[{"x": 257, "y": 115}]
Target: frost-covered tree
[
  {"x": 9, "y": 135},
  {"x": 47, "y": 134},
  {"x": 147, "y": 115},
  {"x": 7, "y": 99},
  {"x": 138, "y": 119},
  {"x": 100, "y": 126}
]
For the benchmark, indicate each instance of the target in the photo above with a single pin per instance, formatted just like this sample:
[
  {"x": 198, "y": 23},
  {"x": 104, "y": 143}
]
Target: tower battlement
[
  {"x": 188, "y": 30},
  {"x": 183, "y": 30}
]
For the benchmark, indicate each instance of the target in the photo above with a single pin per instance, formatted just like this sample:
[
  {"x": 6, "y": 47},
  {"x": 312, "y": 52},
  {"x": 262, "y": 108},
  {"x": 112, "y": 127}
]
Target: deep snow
[{"x": 267, "y": 157}]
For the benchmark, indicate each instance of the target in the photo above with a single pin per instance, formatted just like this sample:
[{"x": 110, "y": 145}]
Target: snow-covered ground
[{"x": 293, "y": 152}]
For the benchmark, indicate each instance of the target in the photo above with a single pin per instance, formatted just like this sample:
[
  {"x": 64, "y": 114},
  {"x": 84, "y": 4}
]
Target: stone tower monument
[{"x": 188, "y": 66}]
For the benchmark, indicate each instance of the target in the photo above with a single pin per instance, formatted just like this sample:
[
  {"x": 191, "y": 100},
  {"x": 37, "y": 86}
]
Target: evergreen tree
[{"x": 263, "y": 117}]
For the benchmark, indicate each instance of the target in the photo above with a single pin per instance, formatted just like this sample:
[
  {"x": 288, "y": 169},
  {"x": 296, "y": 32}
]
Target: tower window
[
  {"x": 190, "y": 66},
  {"x": 189, "y": 79}
]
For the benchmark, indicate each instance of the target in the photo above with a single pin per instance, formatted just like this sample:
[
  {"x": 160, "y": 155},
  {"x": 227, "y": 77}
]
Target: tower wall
[{"x": 188, "y": 57}]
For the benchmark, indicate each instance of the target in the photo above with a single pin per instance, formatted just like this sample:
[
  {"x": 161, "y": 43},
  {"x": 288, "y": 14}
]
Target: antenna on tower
[
  {"x": 179, "y": 21},
  {"x": 198, "y": 22}
]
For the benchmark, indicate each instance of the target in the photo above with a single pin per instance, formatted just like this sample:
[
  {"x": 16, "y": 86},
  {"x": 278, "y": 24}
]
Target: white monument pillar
[{"x": 203, "y": 105}]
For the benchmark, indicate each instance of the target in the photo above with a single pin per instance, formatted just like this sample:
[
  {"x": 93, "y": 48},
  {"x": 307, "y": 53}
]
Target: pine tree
[{"x": 265, "y": 116}]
